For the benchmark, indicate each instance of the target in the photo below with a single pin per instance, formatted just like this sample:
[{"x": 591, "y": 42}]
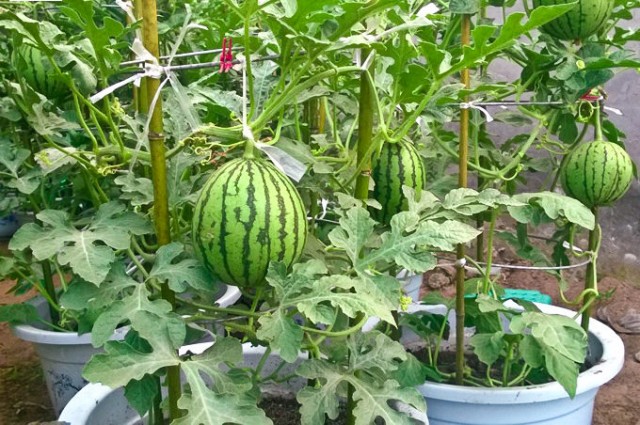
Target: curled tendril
[
  {"x": 580, "y": 298},
  {"x": 585, "y": 111}
]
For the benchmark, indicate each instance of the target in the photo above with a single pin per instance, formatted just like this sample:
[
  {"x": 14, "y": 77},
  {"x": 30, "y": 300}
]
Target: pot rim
[
  {"x": 31, "y": 333},
  {"x": 607, "y": 368}
]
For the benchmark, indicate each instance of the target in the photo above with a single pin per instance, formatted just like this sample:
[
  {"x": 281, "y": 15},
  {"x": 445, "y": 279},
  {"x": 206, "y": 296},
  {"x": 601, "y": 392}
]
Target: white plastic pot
[
  {"x": 97, "y": 404},
  {"x": 546, "y": 404},
  {"x": 63, "y": 355}
]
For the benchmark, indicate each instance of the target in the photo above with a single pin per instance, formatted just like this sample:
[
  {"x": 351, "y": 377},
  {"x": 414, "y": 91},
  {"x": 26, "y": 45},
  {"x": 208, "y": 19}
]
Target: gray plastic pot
[
  {"x": 546, "y": 404},
  {"x": 63, "y": 355},
  {"x": 97, "y": 404}
]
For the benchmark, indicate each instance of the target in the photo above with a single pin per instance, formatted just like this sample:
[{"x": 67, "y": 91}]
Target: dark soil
[{"x": 285, "y": 411}]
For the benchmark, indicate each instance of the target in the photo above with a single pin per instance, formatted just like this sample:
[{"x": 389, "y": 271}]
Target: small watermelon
[
  {"x": 35, "y": 68},
  {"x": 585, "y": 19},
  {"x": 248, "y": 215},
  {"x": 398, "y": 164},
  {"x": 597, "y": 173}
]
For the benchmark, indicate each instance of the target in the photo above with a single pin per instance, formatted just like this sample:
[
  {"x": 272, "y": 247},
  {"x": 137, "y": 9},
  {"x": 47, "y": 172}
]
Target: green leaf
[
  {"x": 141, "y": 392},
  {"x": 562, "y": 341},
  {"x": 226, "y": 399},
  {"x": 411, "y": 372},
  {"x": 227, "y": 351},
  {"x": 81, "y": 294},
  {"x": 371, "y": 357},
  {"x": 511, "y": 30},
  {"x": 372, "y": 401},
  {"x": 89, "y": 252},
  {"x": 488, "y": 347},
  {"x": 121, "y": 362},
  {"x": 356, "y": 228},
  {"x": 138, "y": 191},
  {"x": 531, "y": 351},
  {"x": 182, "y": 274},
  {"x": 205, "y": 407},
  {"x": 19, "y": 314},
  {"x": 282, "y": 333},
  {"x": 468, "y": 7},
  {"x": 408, "y": 250},
  {"x": 375, "y": 352},
  {"x": 554, "y": 206},
  {"x": 124, "y": 310}
]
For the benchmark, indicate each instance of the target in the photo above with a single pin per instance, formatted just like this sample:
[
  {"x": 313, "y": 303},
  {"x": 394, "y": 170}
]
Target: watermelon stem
[
  {"x": 487, "y": 283},
  {"x": 597, "y": 116}
]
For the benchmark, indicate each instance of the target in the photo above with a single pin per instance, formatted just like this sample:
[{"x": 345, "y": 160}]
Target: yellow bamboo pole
[
  {"x": 462, "y": 182},
  {"x": 159, "y": 175}
]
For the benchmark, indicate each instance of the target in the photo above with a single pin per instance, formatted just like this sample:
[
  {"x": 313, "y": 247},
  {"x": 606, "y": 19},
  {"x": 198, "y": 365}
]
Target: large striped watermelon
[
  {"x": 248, "y": 214},
  {"x": 35, "y": 68},
  {"x": 597, "y": 173},
  {"x": 585, "y": 19},
  {"x": 398, "y": 164}
]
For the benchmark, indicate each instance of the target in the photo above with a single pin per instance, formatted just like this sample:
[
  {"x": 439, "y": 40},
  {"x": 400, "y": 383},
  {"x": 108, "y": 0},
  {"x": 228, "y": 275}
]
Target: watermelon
[
  {"x": 585, "y": 19},
  {"x": 38, "y": 72},
  {"x": 398, "y": 164},
  {"x": 597, "y": 173},
  {"x": 248, "y": 215}
]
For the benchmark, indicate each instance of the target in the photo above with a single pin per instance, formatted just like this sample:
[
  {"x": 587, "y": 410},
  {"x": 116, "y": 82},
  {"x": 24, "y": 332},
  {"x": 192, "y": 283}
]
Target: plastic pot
[
  {"x": 63, "y": 355},
  {"x": 546, "y": 404}
]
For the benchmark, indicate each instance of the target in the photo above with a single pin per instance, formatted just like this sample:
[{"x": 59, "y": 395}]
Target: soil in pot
[
  {"x": 285, "y": 411},
  {"x": 447, "y": 364}
]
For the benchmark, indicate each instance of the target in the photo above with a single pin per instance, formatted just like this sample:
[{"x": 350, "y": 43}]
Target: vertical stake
[
  {"x": 462, "y": 182},
  {"x": 159, "y": 176}
]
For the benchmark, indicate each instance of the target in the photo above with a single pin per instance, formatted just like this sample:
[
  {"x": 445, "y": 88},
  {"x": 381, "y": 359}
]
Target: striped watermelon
[
  {"x": 585, "y": 19},
  {"x": 398, "y": 164},
  {"x": 248, "y": 214},
  {"x": 37, "y": 71},
  {"x": 597, "y": 173}
]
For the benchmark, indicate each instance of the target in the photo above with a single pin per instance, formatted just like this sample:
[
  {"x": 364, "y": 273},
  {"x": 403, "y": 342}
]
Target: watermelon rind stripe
[{"x": 248, "y": 214}]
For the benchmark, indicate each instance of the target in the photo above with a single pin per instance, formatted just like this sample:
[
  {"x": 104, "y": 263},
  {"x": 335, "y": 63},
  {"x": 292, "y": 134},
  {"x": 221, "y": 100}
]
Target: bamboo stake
[
  {"x": 462, "y": 182},
  {"x": 365, "y": 137},
  {"x": 159, "y": 175}
]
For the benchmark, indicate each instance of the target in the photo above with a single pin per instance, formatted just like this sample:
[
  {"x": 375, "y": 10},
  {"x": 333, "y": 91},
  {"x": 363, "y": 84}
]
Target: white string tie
[
  {"x": 614, "y": 110},
  {"x": 461, "y": 262},
  {"x": 472, "y": 105}
]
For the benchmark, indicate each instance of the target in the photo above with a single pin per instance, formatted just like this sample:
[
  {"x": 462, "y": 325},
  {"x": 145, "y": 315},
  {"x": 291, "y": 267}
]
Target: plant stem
[
  {"x": 159, "y": 176},
  {"x": 462, "y": 182},
  {"x": 591, "y": 278},
  {"x": 50, "y": 289},
  {"x": 365, "y": 135},
  {"x": 487, "y": 276}
]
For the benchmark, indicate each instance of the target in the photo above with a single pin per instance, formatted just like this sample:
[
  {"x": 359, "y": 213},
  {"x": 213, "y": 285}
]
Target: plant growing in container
[
  {"x": 501, "y": 333},
  {"x": 63, "y": 158}
]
